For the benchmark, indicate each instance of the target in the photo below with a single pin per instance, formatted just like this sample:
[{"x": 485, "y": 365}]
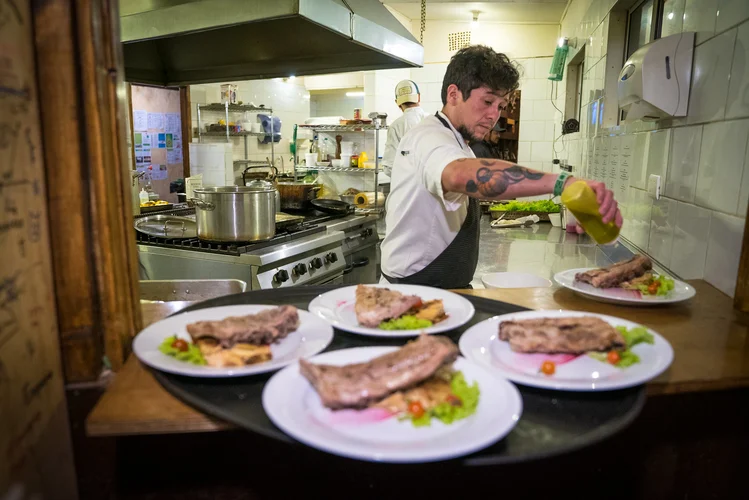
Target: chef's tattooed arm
[{"x": 495, "y": 179}]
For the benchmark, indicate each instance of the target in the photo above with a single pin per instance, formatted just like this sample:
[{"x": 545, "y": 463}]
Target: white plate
[
  {"x": 680, "y": 293},
  {"x": 337, "y": 307},
  {"x": 294, "y": 406},
  {"x": 312, "y": 336},
  {"x": 573, "y": 373}
]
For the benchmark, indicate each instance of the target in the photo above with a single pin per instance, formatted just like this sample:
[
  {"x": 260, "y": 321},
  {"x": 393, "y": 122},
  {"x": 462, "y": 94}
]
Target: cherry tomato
[
  {"x": 653, "y": 288},
  {"x": 613, "y": 357},
  {"x": 548, "y": 368},
  {"x": 454, "y": 400},
  {"x": 180, "y": 345},
  {"x": 418, "y": 305},
  {"x": 415, "y": 409}
]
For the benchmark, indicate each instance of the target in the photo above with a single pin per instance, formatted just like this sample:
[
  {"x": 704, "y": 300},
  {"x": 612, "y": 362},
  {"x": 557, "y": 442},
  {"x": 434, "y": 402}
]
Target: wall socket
[{"x": 654, "y": 187}]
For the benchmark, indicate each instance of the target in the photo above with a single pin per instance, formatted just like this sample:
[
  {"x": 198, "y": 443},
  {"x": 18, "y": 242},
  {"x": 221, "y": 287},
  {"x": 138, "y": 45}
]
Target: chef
[
  {"x": 432, "y": 235},
  {"x": 408, "y": 99}
]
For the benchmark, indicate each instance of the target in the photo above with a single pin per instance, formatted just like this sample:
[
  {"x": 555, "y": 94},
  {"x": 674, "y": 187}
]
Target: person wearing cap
[
  {"x": 408, "y": 99},
  {"x": 432, "y": 217},
  {"x": 489, "y": 146}
]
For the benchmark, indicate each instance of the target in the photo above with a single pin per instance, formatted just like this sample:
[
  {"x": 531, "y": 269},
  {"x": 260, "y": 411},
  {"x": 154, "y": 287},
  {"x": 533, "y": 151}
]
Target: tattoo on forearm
[{"x": 494, "y": 182}]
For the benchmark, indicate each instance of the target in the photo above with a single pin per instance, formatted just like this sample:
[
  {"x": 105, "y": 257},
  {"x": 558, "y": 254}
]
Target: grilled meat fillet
[
  {"x": 358, "y": 385},
  {"x": 375, "y": 305},
  {"x": 614, "y": 275},
  {"x": 265, "y": 327},
  {"x": 574, "y": 335}
]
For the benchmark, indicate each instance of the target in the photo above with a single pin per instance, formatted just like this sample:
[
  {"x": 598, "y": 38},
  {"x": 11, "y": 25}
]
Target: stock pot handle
[{"x": 203, "y": 205}]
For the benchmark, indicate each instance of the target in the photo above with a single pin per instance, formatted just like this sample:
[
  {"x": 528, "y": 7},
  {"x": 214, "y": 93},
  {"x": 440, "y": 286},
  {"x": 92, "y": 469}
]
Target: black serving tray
[{"x": 552, "y": 423}]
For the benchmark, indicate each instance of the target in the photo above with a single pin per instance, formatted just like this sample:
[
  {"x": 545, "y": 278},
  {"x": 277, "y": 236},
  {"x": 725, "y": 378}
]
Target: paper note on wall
[
  {"x": 156, "y": 121},
  {"x": 159, "y": 172},
  {"x": 171, "y": 157},
  {"x": 140, "y": 120},
  {"x": 173, "y": 123}
]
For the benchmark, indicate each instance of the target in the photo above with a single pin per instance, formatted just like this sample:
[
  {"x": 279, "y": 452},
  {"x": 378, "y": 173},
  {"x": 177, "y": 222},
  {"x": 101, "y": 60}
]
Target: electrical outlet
[{"x": 654, "y": 187}]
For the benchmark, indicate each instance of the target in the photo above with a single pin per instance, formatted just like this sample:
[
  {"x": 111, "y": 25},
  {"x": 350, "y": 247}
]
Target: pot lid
[{"x": 167, "y": 226}]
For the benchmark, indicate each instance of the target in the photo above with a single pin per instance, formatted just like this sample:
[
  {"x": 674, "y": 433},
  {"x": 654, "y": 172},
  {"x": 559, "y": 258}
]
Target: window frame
[{"x": 656, "y": 25}]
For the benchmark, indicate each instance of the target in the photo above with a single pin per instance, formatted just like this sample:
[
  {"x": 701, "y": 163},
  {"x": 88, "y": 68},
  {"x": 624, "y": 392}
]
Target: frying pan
[{"x": 332, "y": 207}]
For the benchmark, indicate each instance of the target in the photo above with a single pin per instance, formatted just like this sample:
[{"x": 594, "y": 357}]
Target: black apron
[{"x": 456, "y": 265}]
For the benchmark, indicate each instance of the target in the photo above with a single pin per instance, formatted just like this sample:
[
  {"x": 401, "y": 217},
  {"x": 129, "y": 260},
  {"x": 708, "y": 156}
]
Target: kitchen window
[
  {"x": 645, "y": 23},
  {"x": 574, "y": 87}
]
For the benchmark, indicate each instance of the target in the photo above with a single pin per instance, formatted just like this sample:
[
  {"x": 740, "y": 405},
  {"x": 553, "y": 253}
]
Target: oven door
[{"x": 361, "y": 267}]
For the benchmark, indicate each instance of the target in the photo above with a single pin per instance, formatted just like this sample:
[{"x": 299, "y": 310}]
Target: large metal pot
[
  {"x": 297, "y": 195},
  {"x": 236, "y": 213}
]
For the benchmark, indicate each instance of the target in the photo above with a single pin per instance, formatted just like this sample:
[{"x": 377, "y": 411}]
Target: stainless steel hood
[{"x": 179, "y": 42}]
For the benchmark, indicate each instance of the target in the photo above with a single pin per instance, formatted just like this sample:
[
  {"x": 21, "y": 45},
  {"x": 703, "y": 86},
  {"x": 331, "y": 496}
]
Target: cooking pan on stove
[{"x": 332, "y": 207}]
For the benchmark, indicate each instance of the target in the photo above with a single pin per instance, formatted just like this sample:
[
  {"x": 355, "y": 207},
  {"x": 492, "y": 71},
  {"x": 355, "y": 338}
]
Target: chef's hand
[{"x": 608, "y": 206}]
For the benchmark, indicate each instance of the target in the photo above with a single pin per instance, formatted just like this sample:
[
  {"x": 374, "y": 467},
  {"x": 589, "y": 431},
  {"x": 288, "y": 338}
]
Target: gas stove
[{"x": 301, "y": 254}]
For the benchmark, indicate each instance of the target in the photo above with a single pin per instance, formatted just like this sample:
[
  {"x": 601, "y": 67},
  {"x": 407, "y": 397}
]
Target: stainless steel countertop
[
  {"x": 350, "y": 220},
  {"x": 542, "y": 250}
]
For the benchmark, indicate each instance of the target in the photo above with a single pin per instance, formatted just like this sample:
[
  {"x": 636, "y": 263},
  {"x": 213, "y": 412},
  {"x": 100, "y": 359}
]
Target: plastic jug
[
  {"x": 143, "y": 196},
  {"x": 580, "y": 199}
]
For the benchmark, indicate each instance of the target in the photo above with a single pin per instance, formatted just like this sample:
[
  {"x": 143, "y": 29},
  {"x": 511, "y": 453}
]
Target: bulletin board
[{"x": 157, "y": 137}]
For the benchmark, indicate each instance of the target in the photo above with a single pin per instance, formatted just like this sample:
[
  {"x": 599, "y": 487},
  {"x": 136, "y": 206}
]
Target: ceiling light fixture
[
  {"x": 354, "y": 94},
  {"x": 475, "y": 22}
]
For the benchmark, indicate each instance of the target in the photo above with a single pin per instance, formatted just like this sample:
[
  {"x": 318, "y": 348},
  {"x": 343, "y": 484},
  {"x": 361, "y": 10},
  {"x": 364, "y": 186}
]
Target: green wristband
[{"x": 559, "y": 184}]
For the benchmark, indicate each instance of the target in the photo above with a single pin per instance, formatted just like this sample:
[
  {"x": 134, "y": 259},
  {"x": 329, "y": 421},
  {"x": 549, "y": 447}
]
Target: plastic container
[
  {"x": 581, "y": 201},
  {"x": 143, "y": 196},
  {"x": 362, "y": 159}
]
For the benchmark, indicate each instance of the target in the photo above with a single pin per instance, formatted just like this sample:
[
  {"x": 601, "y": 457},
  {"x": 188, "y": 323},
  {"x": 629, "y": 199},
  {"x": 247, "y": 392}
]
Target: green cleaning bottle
[{"x": 580, "y": 199}]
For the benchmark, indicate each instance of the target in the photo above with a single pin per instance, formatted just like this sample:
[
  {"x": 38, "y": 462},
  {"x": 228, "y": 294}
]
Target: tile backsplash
[{"x": 696, "y": 228}]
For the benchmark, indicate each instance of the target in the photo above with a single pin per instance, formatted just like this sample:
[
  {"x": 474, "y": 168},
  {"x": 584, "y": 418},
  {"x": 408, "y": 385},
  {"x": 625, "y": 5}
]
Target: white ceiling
[{"x": 508, "y": 11}]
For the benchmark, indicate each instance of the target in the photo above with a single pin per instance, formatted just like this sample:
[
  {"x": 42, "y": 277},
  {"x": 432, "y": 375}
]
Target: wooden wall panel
[
  {"x": 95, "y": 261},
  {"x": 35, "y": 449}
]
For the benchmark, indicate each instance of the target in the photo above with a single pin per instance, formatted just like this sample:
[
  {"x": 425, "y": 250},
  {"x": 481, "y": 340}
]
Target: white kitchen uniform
[
  {"x": 410, "y": 118},
  {"x": 422, "y": 221}
]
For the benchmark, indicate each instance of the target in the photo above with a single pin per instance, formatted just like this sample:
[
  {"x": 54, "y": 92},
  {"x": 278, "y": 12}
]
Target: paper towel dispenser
[{"x": 655, "y": 81}]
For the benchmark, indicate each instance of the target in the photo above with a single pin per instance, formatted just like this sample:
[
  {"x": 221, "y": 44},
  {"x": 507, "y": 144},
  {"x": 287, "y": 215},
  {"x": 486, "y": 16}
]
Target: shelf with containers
[
  {"x": 228, "y": 108},
  {"x": 375, "y": 126}
]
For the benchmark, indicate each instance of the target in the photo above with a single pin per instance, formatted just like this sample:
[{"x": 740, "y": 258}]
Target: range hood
[{"x": 180, "y": 42}]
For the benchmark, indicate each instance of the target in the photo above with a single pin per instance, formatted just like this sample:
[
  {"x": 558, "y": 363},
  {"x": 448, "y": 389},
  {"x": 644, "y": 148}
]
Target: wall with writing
[
  {"x": 35, "y": 452},
  {"x": 157, "y": 137}
]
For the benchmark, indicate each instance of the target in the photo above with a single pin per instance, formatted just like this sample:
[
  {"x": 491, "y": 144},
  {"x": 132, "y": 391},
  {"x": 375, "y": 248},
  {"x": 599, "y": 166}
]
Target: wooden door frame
[{"x": 81, "y": 85}]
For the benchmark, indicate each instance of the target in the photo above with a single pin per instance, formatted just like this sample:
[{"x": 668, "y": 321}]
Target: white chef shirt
[
  {"x": 410, "y": 118},
  {"x": 421, "y": 220}
]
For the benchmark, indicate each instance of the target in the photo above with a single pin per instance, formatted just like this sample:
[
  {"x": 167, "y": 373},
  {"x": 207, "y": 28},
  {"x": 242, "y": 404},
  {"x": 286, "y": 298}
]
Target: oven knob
[
  {"x": 281, "y": 276},
  {"x": 315, "y": 263},
  {"x": 331, "y": 257},
  {"x": 299, "y": 270},
  {"x": 367, "y": 232}
]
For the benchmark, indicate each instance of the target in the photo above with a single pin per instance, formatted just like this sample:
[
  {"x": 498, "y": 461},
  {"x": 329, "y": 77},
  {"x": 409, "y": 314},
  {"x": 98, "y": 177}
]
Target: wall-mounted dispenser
[{"x": 655, "y": 81}]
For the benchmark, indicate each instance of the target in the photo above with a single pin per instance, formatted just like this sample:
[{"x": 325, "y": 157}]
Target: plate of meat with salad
[
  {"x": 417, "y": 403},
  {"x": 630, "y": 282},
  {"x": 232, "y": 341},
  {"x": 567, "y": 350},
  {"x": 392, "y": 310}
]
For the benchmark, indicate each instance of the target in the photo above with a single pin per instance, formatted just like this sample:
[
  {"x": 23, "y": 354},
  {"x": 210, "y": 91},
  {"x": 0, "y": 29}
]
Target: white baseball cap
[{"x": 406, "y": 91}]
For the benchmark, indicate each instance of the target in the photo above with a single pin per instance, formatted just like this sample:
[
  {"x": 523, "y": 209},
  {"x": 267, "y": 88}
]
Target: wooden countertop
[{"x": 711, "y": 352}]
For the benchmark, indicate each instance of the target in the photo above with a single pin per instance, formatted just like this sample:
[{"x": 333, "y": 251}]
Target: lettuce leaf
[
  {"x": 526, "y": 206},
  {"x": 407, "y": 322},
  {"x": 191, "y": 355},
  {"x": 449, "y": 413}
]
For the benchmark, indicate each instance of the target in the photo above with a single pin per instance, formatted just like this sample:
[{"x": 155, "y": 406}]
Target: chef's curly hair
[{"x": 478, "y": 66}]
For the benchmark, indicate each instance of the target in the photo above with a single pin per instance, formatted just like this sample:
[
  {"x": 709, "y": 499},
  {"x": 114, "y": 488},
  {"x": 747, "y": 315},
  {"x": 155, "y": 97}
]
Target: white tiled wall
[
  {"x": 696, "y": 228},
  {"x": 336, "y": 104}
]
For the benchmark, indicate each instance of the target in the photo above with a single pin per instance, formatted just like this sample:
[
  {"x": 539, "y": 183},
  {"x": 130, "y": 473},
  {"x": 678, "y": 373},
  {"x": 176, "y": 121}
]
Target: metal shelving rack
[
  {"x": 376, "y": 127},
  {"x": 227, "y": 108}
]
